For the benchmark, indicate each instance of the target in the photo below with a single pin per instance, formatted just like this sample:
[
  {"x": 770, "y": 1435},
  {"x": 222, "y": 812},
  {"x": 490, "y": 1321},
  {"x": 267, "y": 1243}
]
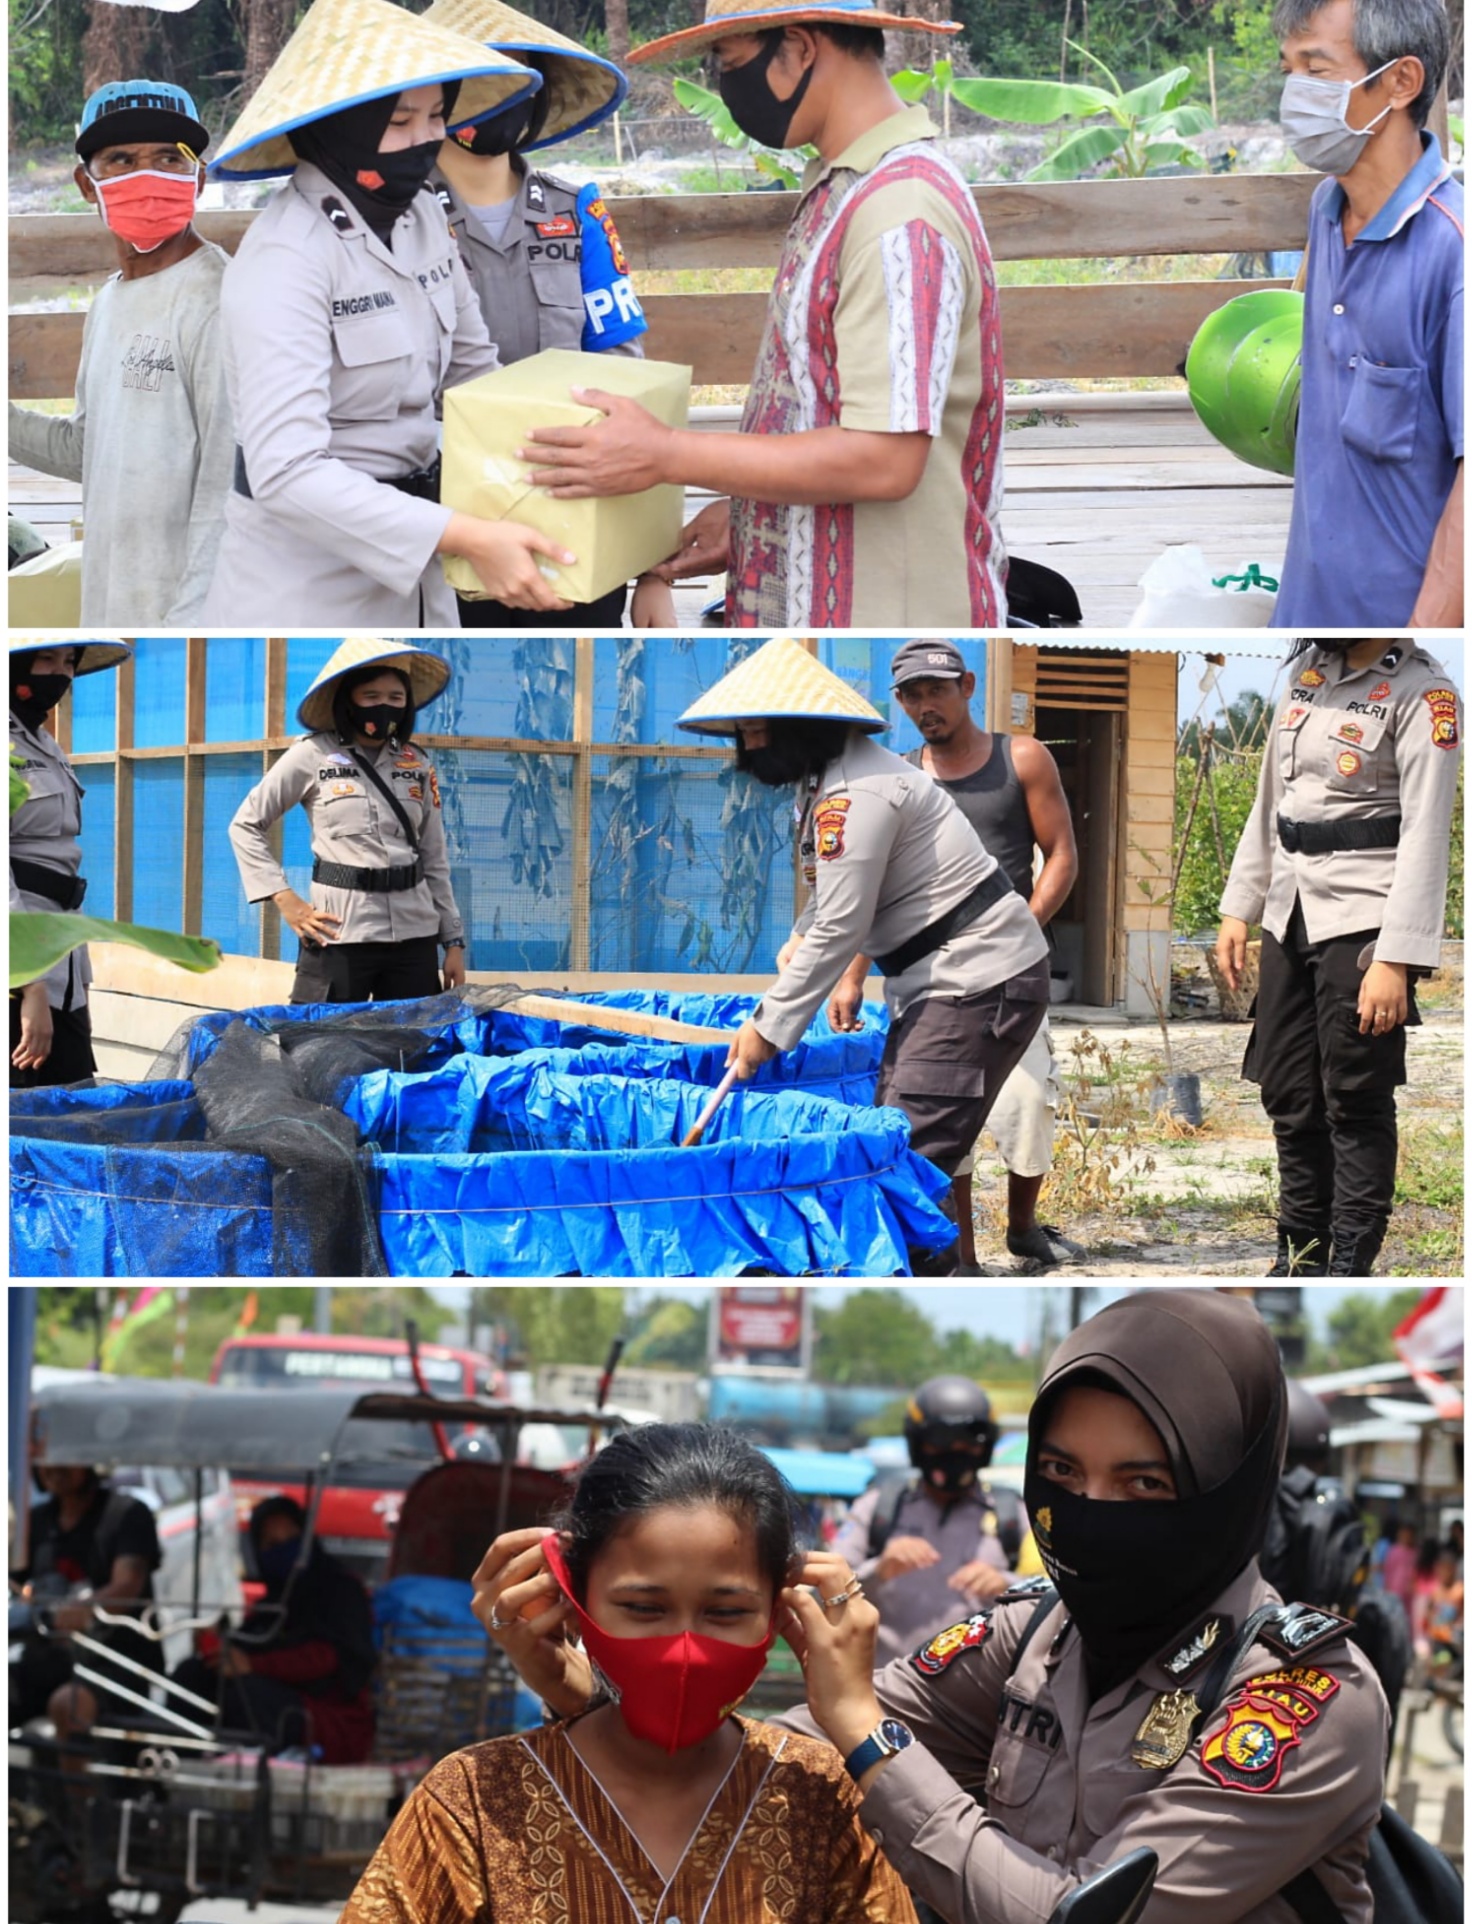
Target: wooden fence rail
[{"x": 1118, "y": 328}]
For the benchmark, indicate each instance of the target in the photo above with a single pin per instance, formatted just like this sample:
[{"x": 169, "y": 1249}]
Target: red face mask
[
  {"x": 673, "y": 1691},
  {"x": 146, "y": 209}
]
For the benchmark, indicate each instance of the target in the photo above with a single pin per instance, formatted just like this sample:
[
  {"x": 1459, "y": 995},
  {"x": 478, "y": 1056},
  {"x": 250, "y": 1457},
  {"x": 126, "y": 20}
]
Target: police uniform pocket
[
  {"x": 1017, "y": 1767},
  {"x": 1382, "y": 413},
  {"x": 375, "y": 352},
  {"x": 1352, "y": 747},
  {"x": 1290, "y": 727}
]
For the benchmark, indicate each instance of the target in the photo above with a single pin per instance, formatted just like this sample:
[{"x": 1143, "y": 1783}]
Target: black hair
[
  {"x": 795, "y": 749},
  {"x": 854, "y": 40},
  {"x": 274, "y": 1506},
  {"x": 371, "y": 671},
  {"x": 1386, "y": 30},
  {"x": 679, "y": 1465}
]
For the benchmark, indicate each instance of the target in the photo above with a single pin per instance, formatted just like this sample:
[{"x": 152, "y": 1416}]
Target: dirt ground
[{"x": 1148, "y": 1198}]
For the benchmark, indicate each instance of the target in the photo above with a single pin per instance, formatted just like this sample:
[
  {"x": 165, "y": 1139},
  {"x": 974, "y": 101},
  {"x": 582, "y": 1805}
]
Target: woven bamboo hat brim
[
  {"x": 582, "y": 87},
  {"x": 347, "y": 51},
  {"x": 94, "y": 654},
  {"x": 724, "y": 17},
  {"x": 428, "y": 673},
  {"x": 780, "y": 679}
]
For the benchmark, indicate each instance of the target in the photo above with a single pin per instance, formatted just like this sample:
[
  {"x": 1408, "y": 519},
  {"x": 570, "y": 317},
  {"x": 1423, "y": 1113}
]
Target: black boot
[
  {"x": 1355, "y": 1251},
  {"x": 1303, "y": 1250}
]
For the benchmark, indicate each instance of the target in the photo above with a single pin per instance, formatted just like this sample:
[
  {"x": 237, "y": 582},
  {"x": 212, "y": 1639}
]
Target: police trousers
[
  {"x": 947, "y": 1057},
  {"x": 1329, "y": 1091},
  {"x": 368, "y": 971}
]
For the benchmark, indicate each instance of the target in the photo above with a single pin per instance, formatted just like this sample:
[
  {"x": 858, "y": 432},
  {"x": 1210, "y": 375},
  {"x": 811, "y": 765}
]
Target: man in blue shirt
[{"x": 1376, "y": 536}]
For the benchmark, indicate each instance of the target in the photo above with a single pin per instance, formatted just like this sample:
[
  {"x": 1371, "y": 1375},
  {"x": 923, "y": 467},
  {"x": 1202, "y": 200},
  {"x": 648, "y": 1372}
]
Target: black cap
[{"x": 928, "y": 660}]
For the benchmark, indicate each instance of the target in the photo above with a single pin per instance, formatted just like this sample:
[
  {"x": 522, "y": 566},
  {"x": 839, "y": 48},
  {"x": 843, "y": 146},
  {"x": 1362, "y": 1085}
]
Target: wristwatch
[{"x": 891, "y": 1736}]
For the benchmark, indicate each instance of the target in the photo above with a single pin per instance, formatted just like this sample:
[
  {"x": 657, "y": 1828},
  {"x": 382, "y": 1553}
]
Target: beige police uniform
[
  {"x": 529, "y": 282},
  {"x": 338, "y": 349},
  {"x": 1018, "y": 1787},
  {"x": 46, "y": 830},
  {"x": 1356, "y": 744},
  {"x": 887, "y": 853},
  {"x": 352, "y": 824}
]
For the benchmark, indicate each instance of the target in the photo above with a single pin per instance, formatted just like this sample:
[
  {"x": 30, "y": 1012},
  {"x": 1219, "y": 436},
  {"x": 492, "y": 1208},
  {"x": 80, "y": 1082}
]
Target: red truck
[{"x": 361, "y": 1506}]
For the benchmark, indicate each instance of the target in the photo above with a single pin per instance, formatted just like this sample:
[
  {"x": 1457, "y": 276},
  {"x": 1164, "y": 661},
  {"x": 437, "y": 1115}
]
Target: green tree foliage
[
  {"x": 1222, "y": 808},
  {"x": 1358, "y": 1331},
  {"x": 669, "y": 1333},
  {"x": 548, "y": 1324},
  {"x": 878, "y": 1336}
]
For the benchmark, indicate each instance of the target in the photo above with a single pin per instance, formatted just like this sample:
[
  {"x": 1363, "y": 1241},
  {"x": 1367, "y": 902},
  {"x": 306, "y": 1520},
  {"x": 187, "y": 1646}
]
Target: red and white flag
[{"x": 1433, "y": 1334}]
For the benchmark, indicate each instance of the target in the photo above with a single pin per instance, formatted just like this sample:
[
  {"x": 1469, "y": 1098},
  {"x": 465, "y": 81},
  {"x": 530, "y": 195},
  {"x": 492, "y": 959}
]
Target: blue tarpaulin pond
[{"x": 506, "y": 1145}]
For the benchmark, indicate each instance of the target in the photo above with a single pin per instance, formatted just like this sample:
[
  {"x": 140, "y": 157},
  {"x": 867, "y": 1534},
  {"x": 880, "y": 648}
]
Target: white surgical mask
[{"x": 1312, "y": 116}]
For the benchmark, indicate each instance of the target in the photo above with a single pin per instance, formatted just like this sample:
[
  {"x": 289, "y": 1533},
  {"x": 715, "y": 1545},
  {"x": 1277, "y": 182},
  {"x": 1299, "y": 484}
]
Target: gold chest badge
[{"x": 1164, "y": 1737}]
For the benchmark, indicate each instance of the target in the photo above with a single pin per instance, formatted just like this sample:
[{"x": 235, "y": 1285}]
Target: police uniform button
[
  {"x": 1339, "y": 307},
  {"x": 996, "y": 1774},
  {"x": 1054, "y": 1852}
]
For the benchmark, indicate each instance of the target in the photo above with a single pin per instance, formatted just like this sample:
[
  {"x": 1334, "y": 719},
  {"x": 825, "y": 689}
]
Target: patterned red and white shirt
[{"x": 884, "y": 318}]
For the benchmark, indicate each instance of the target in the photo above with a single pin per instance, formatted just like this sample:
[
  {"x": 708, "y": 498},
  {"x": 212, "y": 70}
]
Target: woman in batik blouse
[{"x": 656, "y": 1804}]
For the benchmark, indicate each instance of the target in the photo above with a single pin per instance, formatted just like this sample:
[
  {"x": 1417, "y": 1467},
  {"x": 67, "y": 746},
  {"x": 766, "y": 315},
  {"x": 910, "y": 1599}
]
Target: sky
[
  {"x": 1259, "y": 674},
  {"x": 1009, "y": 1311}
]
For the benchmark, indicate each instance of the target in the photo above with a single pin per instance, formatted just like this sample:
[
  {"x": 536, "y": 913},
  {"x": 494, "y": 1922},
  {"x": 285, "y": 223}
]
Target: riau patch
[
  {"x": 1379, "y": 692},
  {"x": 1301, "y": 1691},
  {"x": 1443, "y": 705},
  {"x": 1351, "y": 732},
  {"x": 562, "y": 227},
  {"x": 1312, "y": 678},
  {"x": 943, "y": 1649},
  {"x": 1347, "y": 762},
  {"x": 434, "y": 788},
  {"x": 1247, "y": 1752},
  {"x": 829, "y": 823}
]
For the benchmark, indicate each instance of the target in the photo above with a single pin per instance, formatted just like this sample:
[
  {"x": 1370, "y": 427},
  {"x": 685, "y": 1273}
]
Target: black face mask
[
  {"x": 32, "y": 697},
  {"x": 380, "y": 723},
  {"x": 950, "y": 1471},
  {"x": 508, "y": 130},
  {"x": 749, "y": 100},
  {"x": 344, "y": 145},
  {"x": 1135, "y": 1575},
  {"x": 779, "y": 765}
]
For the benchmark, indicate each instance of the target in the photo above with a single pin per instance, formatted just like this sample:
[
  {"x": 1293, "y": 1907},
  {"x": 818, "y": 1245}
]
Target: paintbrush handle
[{"x": 702, "y": 1121}]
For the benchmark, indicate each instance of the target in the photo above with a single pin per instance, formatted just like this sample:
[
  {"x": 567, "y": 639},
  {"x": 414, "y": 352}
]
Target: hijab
[
  {"x": 323, "y": 1602},
  {"x": 345, "y": 145},
  {"x": 1205, "y": 1371}
]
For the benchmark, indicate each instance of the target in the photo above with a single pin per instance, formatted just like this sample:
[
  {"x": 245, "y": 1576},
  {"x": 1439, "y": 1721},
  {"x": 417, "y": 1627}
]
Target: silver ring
[
  {"x": 855, "y": 1589},
  {"x": 496, "y": 1623}
]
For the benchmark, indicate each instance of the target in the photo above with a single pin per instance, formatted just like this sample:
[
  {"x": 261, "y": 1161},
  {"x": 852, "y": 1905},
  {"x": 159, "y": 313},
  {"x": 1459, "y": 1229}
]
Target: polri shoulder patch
[
  {"x": 1297, "y": 1631},
  {"x": 829, "y": 821},
  {"x": 1247, "y": 1752},
  {"x": 1443, "y": 705},
  {"x": 942, "y": 1650}
]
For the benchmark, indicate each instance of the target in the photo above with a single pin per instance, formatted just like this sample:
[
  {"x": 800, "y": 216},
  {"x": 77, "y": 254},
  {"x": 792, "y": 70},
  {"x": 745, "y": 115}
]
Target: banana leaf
[
  {"x": 1165, "y": 90},
  {"x": 1032, "y": 103},
  {"x": 38, "y": 942},
  {"x": 1079, "y": 152}
]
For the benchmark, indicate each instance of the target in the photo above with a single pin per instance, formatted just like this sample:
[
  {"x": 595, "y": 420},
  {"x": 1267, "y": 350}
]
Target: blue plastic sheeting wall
[
  {"x": 95, "y": 713},
  {"x": 158, "y": 843},
  {"x": 99, "y": 827},
  {"x": 235, "y": 691},
  {"x": 158, "y": 692},
  {"x": 224, "y": 912}
]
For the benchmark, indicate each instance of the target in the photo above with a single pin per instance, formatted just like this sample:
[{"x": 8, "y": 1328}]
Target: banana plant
[
  {"x": 709, "y": 107},
  {"x": 39, "y": 941},
  {"x": 1140, "y": 129}
]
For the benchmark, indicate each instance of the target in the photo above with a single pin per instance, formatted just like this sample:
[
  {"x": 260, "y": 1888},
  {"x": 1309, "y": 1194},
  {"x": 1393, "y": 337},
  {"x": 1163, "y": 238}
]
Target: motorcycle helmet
[{"x": 1243, "y": 372}]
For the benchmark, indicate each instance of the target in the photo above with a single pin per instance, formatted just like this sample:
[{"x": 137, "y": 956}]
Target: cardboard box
[{"x": 488, "y": 419}]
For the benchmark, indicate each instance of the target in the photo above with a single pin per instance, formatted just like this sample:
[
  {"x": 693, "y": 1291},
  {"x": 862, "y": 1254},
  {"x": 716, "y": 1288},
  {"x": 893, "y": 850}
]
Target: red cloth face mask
[
  {"x": 146, "y": 209},
  {"x": 673, "y": 1691}
]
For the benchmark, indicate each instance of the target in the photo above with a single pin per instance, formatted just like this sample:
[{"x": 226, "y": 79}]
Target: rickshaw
[{"x": 162, "y": 1806}]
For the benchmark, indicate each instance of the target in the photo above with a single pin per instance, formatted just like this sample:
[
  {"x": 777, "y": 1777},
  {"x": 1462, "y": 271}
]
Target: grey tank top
[{"x": 993, "y": 802}]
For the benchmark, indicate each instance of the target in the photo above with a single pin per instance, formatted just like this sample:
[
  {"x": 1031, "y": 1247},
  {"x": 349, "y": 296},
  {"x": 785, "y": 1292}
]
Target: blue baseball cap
[{"x": 129, "y": 110}]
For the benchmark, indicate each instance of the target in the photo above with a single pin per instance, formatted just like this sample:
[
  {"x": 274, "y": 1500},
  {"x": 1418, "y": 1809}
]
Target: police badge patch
[
  {"x": 1443, "y": 705},
  {"x": 1247, "y": 1752},
  {"x": 1312, "y": 678},
  {"x": 942, "y": 1650},
  {"x": 828, "y": 825}
]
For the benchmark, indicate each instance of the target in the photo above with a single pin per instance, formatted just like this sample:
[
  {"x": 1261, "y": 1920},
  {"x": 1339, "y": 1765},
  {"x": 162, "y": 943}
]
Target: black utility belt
[
  {"x": 66, "y": 891},
  {"x": 1329, "y": 838},
  {"x": 423, "y": 483},
  {"x": 368, "y": 881},
  {"x": 984, "y": 896}
]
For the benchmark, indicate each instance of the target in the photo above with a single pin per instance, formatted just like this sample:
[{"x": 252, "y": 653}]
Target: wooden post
[
  {"x": 580, "y": 942},
  {"x": 196, "y": 651},
  {"x": 270, "y": 942},
  {"x": 1211, "y": 77},
  {"x": 122, "y": 876}
]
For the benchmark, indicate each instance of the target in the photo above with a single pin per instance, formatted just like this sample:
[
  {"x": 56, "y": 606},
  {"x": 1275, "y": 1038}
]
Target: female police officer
[
  {"x": 543, "y": 256},
  {"x": 1014, "y": 1755},
  {"x": 1344, "y": 862},
  {"x": 50, "y": 1028},
  {"x": 346, "y": 313},
  {"x": 382, "y": 903}
]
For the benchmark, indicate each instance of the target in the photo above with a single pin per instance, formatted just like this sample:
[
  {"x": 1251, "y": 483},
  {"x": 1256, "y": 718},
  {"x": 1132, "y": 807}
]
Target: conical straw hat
[
  {"x": 780, "y": 679},
  {"x": 93, "y": 654},
  {"x": 347, "y": 51},
  {"x": 724, "y": 17},
  {"x": 427, "y": 672},
  {"x": 582, "y": 87}
]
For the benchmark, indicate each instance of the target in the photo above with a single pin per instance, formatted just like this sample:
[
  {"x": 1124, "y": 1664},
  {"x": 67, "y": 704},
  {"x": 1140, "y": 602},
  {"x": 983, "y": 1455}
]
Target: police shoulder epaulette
[
  {"x": 1028, "y": 1590},
  {"x": 333, "y": 208},
  {"x": 1298, "y": 1629},
  {"x": 536, "y": 195}
]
